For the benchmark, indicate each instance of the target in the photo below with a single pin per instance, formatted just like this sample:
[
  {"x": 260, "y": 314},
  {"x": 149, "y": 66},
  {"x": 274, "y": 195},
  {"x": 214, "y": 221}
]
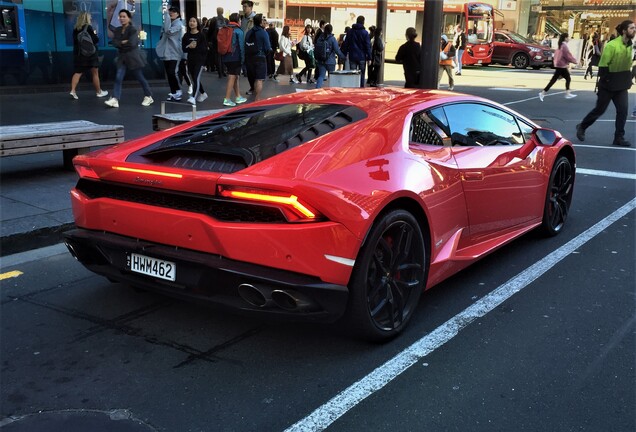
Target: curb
[{"x": 35, "y": 239}]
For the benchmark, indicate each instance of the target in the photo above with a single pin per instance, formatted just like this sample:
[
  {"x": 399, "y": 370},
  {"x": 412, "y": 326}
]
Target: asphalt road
[{"x": 539, "y": 336}]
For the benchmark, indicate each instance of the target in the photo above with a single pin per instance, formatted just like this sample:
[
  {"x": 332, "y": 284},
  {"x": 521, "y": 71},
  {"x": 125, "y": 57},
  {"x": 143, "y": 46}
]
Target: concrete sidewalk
[{"x": 34, "y": 189}]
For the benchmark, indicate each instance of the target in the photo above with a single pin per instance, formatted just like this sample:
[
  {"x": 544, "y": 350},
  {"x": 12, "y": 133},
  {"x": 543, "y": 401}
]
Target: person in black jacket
[
  {"x": 195, "y": 46},
  {"x": 81, "y": 63},
  {"x": 409, "y": 55},
  {"x": 459, "y": 42},
  {"x": 273, "y": 41}
]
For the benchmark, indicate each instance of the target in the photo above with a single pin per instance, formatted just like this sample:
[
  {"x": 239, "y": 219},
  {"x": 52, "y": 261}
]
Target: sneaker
[
  {"x": 189, "y": 90},
  {"x": 240, "y": 100},
  {"x": 311, "y": 81},
  {"x": 299, "y": 78},
  {"x": 74, "y": 95},
  {"x": 174, "y": 97},
  {"x": 293, "y": 81},
  {"x": 148, "y": 100},
  {"x": 192, "y": 101},
  {"x": 228, "y": 102},
  {"x": 570, "y": 96},
  {"x": 541, "y": 95},
  {"x": 622, "y": 142},
  {"x": 102, "y": 93},
  {"x": 451, "y": 88},
  {"x": 249, "y": 92},
  {"x": 458, "y": 73},
  {"x": 275, "y": 78},
  {"x": 580, "y": 132},
  {"x": 112, "y": 102},
  {"x": 202, "y": 97}
]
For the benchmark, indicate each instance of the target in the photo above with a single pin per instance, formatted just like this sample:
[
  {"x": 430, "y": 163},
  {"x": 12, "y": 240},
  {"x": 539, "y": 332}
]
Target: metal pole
[
  {"x": 431, "y": 34},
  {"x": 380, "y": 22}
]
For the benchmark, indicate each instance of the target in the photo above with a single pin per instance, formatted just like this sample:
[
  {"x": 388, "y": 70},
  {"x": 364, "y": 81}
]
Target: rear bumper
[{"x": 212, "y": 278}]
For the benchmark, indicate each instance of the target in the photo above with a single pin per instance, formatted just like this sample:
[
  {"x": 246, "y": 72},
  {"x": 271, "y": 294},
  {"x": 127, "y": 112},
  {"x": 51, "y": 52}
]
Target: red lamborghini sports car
[{"x": 321, "y": 205}]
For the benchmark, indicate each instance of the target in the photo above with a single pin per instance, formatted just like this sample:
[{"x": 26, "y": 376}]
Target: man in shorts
[{"x": 256, "y": 63}]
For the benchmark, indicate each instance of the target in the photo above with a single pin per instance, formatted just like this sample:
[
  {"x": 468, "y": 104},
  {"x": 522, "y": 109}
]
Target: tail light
[{"x": 294, "y": 209}]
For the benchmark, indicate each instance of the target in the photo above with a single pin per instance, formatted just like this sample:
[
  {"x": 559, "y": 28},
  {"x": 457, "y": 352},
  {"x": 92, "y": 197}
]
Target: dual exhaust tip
[{"x": 288, "y": 300}]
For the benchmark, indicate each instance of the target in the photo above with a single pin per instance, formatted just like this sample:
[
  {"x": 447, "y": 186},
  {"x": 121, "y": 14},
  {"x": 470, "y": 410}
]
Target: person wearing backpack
[
  {"x": 357, "y": 46},
  {"x": 216, "y": 24},
  {"x": 233, "y": 60},
  {"x": 325, "y": 52},
  {"x": 170, "y": 51},
  {"x": 81, "y": 61},
  {"x": 257, "y": 47}
]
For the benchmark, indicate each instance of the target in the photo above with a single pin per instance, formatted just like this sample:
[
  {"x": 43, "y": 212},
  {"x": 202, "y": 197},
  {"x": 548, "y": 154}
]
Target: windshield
[
  {"x": 520, "y": 39},
  {"x": 479, "y": 30}
]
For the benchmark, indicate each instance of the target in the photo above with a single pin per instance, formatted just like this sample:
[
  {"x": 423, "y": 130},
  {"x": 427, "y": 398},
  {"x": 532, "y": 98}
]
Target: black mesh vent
[
  {"x": 239, "y": 139},
  {"x": 220, "y": 209}
]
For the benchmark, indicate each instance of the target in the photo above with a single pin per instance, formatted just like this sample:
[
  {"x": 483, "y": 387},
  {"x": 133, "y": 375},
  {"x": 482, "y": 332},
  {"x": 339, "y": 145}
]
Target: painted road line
[
  {"x": 511, "y": 89},
  {"x": 331, "y": 411},
  {"x": 11, "y": 274},
  {"x": 532, "y": 98},
  {"x": 606, "y": 173},
  {"x": 612, "y": 147}
]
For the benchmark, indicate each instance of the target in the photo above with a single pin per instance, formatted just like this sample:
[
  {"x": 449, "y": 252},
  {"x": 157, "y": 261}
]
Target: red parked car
[
  {"x": 512, "y": 48},
  {"x": 323, "y": 204}
]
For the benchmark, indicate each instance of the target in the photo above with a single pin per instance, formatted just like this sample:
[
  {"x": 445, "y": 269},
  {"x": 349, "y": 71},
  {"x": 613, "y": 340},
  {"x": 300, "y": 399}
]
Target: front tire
[
  {"x": 558, "y": 197},
  {"x": 388, "y": 277},
  {"x": 520, "y": 61}
]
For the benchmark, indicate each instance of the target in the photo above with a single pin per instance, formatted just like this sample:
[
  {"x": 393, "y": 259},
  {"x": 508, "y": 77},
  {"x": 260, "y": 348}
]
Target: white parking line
[
  {"x": 532, "y": 98},
  {"x": 606, "y": 173},
  {"x": 331, "y": 411},
  {"x": 577, "y": 145}
]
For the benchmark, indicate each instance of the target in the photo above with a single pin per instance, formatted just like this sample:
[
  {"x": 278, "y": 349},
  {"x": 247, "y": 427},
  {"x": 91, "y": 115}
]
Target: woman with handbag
[
  {"x": 286, "y": 66},
  {"x": 306, "y": 54}
]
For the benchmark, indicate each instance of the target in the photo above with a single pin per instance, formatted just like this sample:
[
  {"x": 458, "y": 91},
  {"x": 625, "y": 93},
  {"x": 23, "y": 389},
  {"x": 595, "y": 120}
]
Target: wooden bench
[{"x": 72, "y": 137}]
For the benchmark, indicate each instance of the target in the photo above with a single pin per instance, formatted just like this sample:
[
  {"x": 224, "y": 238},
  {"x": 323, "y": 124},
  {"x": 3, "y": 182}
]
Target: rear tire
[
  {"x": 388, "y": 277},
  {"x": 558, "y": 197}
]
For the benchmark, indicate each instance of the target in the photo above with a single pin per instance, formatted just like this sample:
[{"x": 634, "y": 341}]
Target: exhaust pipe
[
  {"x": 292, "y": 300},
  {"x": 72, "y": 250},
  {"x": 258, "y": 297}
]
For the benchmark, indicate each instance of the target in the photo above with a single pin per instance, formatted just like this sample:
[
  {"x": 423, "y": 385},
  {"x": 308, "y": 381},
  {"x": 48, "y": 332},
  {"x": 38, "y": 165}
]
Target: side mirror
[{"x": 547, "y": 137}]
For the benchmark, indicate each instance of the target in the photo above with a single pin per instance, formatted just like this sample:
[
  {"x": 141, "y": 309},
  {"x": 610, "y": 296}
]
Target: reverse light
[
  {"x": 294, "y": 209},
  {"x": 83, "y": 169},
  {"x": 149, "y": 172}
]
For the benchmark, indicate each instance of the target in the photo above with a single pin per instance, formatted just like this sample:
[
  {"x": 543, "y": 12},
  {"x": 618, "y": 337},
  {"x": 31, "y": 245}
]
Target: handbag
[{"x": 278, "y": 56}]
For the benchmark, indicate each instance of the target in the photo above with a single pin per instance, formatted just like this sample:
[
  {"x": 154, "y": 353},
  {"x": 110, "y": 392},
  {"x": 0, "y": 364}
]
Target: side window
[
  {"x": 423, "y": 132},
  {"x": 473, "y": 124},
  {"x": 526, "y": 129},
  {"x": 499, "y": 37}
]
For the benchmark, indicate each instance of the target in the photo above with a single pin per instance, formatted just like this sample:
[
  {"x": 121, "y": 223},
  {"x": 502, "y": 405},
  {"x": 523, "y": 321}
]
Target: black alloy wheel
[
  {"x": 559, "y": 196},
  {"x": 520, "y": 61},
  {"x": 388, "y": 277}
]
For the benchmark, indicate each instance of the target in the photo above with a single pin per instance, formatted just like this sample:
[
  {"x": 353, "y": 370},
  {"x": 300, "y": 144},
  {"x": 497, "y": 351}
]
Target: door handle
[{"x": 473, "y": 175}]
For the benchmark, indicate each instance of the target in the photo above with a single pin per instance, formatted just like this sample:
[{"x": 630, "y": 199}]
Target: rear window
[{"x": 248, "y": 136}]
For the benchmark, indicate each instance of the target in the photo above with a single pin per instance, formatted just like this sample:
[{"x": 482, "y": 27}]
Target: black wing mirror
[{"x": 546, "y": 137}]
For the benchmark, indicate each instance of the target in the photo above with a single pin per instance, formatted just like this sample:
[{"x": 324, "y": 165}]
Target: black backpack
[
  {"x": 251, "y": 47},
  {"x": 322, "y": 49},
  {"x": 85, "y": 43}
]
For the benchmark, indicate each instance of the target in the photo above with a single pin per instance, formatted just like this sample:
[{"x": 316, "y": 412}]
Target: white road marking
[
  {"x": 606, "y": 173},
  {"x": 511, "y": 89},
  {"x": 339, "y": 405},
  {"x": 532, "y": 98},
  {"x": 612, "y": 147}
]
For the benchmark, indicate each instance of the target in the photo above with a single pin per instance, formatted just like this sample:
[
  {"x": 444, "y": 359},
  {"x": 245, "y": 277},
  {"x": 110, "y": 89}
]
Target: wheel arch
[{"x": 412, "y": 206}]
